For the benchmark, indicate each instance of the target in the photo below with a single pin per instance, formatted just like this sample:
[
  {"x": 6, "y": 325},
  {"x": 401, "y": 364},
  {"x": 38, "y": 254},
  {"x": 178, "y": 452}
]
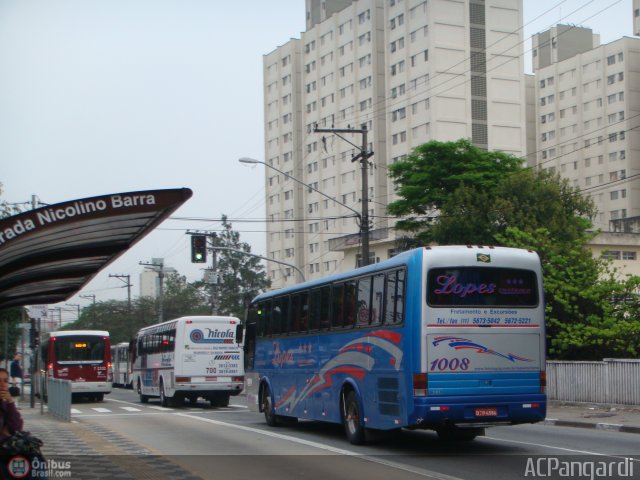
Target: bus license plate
[{"x": 487, "y": 412}]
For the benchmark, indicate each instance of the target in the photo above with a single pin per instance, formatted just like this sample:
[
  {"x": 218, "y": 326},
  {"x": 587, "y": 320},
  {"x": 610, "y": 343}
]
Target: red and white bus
[{"x": 82, "y": 357}]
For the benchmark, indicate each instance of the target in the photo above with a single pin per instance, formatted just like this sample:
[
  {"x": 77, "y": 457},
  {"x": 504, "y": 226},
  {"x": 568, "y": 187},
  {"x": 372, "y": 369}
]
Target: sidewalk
[
  {"x": 620, "y": 418},
  {"x": 94, "y": 452}
]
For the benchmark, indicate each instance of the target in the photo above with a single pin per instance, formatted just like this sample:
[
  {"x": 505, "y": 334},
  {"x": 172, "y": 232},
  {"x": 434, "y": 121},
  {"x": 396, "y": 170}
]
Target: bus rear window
[
  {"x": 79, "y": 349},
  {"x": 472, "y": 286}
]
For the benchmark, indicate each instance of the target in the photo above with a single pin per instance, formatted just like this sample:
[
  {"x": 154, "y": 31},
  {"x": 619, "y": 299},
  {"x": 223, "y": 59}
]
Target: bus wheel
[
  {"x": 222, "y": 400},
  {"x": 269, "y": 410},
  {"x": 352, "y": 418},
  {"x": 164, "y": 400},
  {"x": 453, "y": 434},
  {"x": 143, "y": 398},
  {"x": 99, "y": 397}
]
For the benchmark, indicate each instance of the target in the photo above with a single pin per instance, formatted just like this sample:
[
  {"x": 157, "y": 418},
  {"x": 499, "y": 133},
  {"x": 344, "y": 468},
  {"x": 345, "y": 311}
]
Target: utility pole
[
  {"x": 159, "y": 267},
  {"x": 91, "y": 297},
  {"x": 210, "y": 274},
  {"x": 128, "y": 285},
  {"x": 214, "y": 270},
  {"x": 363, "y": 158},
  {"x": 77, "y": 305}
]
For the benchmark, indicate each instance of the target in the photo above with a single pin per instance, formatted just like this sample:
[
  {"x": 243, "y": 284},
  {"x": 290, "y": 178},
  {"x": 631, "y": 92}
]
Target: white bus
[
  {"x": 187, "y": 358},
  {"x": 120, "y": 361}
]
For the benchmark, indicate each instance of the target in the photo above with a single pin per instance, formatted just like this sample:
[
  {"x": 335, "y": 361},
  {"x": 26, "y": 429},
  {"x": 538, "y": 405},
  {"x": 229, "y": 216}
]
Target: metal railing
[
  {"x": 59, "y": 398},
  {"x": 612, "y": 381}
]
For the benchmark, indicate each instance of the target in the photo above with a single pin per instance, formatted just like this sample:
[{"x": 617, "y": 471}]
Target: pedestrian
[
  {"x": 10, "y": 418},
  {"x": 16, "y": 370}
]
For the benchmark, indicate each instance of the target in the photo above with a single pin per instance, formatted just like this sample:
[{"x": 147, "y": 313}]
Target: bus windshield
[
  {"x": 79, "y": 349},
  {"x": 481, "y": 286}
]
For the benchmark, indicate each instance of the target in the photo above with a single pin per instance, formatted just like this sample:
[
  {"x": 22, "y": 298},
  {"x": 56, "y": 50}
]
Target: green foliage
[
  {"x": 591, "y": 313},
  {"x": 10, "y": 319},
  {"x": 242, "y": 276},
  {"x": 427, "y": 177}
]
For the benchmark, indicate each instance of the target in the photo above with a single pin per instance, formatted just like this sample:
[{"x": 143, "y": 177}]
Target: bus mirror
[{"x": 239, "y": 333}]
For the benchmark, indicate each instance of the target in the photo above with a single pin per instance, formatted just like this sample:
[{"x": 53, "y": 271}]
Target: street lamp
[
  {"x": 364, "y": 227},
  {"x": 262, "y": 258}
]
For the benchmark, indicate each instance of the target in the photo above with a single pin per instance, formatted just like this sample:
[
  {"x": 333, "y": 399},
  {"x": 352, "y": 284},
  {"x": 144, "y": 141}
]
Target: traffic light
[{"x": 198, "y": 248}]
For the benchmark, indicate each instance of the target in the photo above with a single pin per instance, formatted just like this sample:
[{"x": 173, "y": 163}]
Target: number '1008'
[{"x": 443, "y": 364}]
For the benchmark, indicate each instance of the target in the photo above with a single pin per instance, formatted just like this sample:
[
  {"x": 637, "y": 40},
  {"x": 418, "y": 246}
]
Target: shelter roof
[{"x": 47, "y": 255}]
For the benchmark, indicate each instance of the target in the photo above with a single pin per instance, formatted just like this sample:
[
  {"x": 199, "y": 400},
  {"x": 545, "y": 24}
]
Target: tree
[
  {"x": 242, "y": 276},
  {"x": 590, "y": 312},
  {"x": 10, "y": 319},
  {"x": 428, "y": 176},
  {"x": 182, "y": 298}
]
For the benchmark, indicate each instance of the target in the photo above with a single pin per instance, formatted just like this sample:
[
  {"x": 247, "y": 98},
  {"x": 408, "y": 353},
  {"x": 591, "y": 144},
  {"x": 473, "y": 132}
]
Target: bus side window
[
  {"x": 325, "y": 307},
  {"x": 314, "y": 309},
  {"x": 337, "y": 320},
  {"x": 400, "y": 296},
  {"x": 350, "y": 298},
  {"x": 377, "y": 299},
  {"x": 304, "y": 311},
  {"x": 281, "y": 314},
  {"x": 295, "y": 313},
  {"x": 395, "y": 297},
  {"x": 267, "y": 317},
  {"x": 364, "y": 301}
]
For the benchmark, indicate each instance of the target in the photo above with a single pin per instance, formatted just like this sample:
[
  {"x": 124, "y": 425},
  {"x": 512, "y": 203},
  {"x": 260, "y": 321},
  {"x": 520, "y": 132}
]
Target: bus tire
[
  {"x": 143, "y": 398},
  {"x": 164, "y": 400},
  {"x": 269, "y": 409},
  {"x": 99, "y": 397},
  {"x": 352, "y": 418},
  {"x": 221, "y": 400}
]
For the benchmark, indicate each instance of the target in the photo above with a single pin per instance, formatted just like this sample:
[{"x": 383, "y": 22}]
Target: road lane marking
[
  {"x": 101, "y": 410},
  {"x": 131, "y": 409},
  {"x": 418, "y": 471},
  {"x": 572, "y": 450}
]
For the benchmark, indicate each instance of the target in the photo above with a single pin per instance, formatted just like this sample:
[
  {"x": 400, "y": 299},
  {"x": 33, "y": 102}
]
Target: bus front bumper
[{"x": 91, "y": 387}]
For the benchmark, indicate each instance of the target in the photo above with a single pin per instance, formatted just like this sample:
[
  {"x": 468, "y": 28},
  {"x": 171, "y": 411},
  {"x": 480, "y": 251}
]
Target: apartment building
[
  {"x": 588, "y": 114},
  {"x": 408, "y": 71}
]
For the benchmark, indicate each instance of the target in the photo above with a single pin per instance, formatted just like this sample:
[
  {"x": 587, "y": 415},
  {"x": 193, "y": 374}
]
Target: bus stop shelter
[{"x": 49, "y": 254}]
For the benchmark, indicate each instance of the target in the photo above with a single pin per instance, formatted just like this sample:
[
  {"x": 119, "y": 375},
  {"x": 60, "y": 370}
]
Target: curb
[{"x": 613, "y": 427}]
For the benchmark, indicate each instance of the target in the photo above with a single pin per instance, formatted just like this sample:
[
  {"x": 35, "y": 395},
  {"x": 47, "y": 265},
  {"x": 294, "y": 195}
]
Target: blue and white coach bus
[{"x": 448, "y": 338}]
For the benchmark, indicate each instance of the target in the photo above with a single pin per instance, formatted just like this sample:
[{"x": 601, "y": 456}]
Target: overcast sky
[{"x": 107, "y": 96}]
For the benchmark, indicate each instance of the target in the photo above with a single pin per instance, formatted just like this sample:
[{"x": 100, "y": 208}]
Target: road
[{"x": 233, "y": 440}]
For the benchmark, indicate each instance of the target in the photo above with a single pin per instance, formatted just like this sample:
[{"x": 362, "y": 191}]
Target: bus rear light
[
  {"x": 237, "y": 379},
  {"x": 531, "y": 405},
  {"x": 442, "y": 408},
  {"x": 419, "y": 384},
  {"x": 183, "y": 379},
  {"x": 543, "y": 381}
]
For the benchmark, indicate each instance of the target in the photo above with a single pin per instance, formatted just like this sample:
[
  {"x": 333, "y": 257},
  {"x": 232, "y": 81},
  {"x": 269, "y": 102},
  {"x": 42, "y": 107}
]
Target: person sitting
[{"x": 10, "y": 418}]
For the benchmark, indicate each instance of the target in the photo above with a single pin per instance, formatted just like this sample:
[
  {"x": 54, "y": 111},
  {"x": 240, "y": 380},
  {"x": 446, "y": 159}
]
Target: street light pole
[
  {"x": 363, "y": 218},
  {"x": 261, "y": 257},
  {"x": 252, "y": 161}
]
